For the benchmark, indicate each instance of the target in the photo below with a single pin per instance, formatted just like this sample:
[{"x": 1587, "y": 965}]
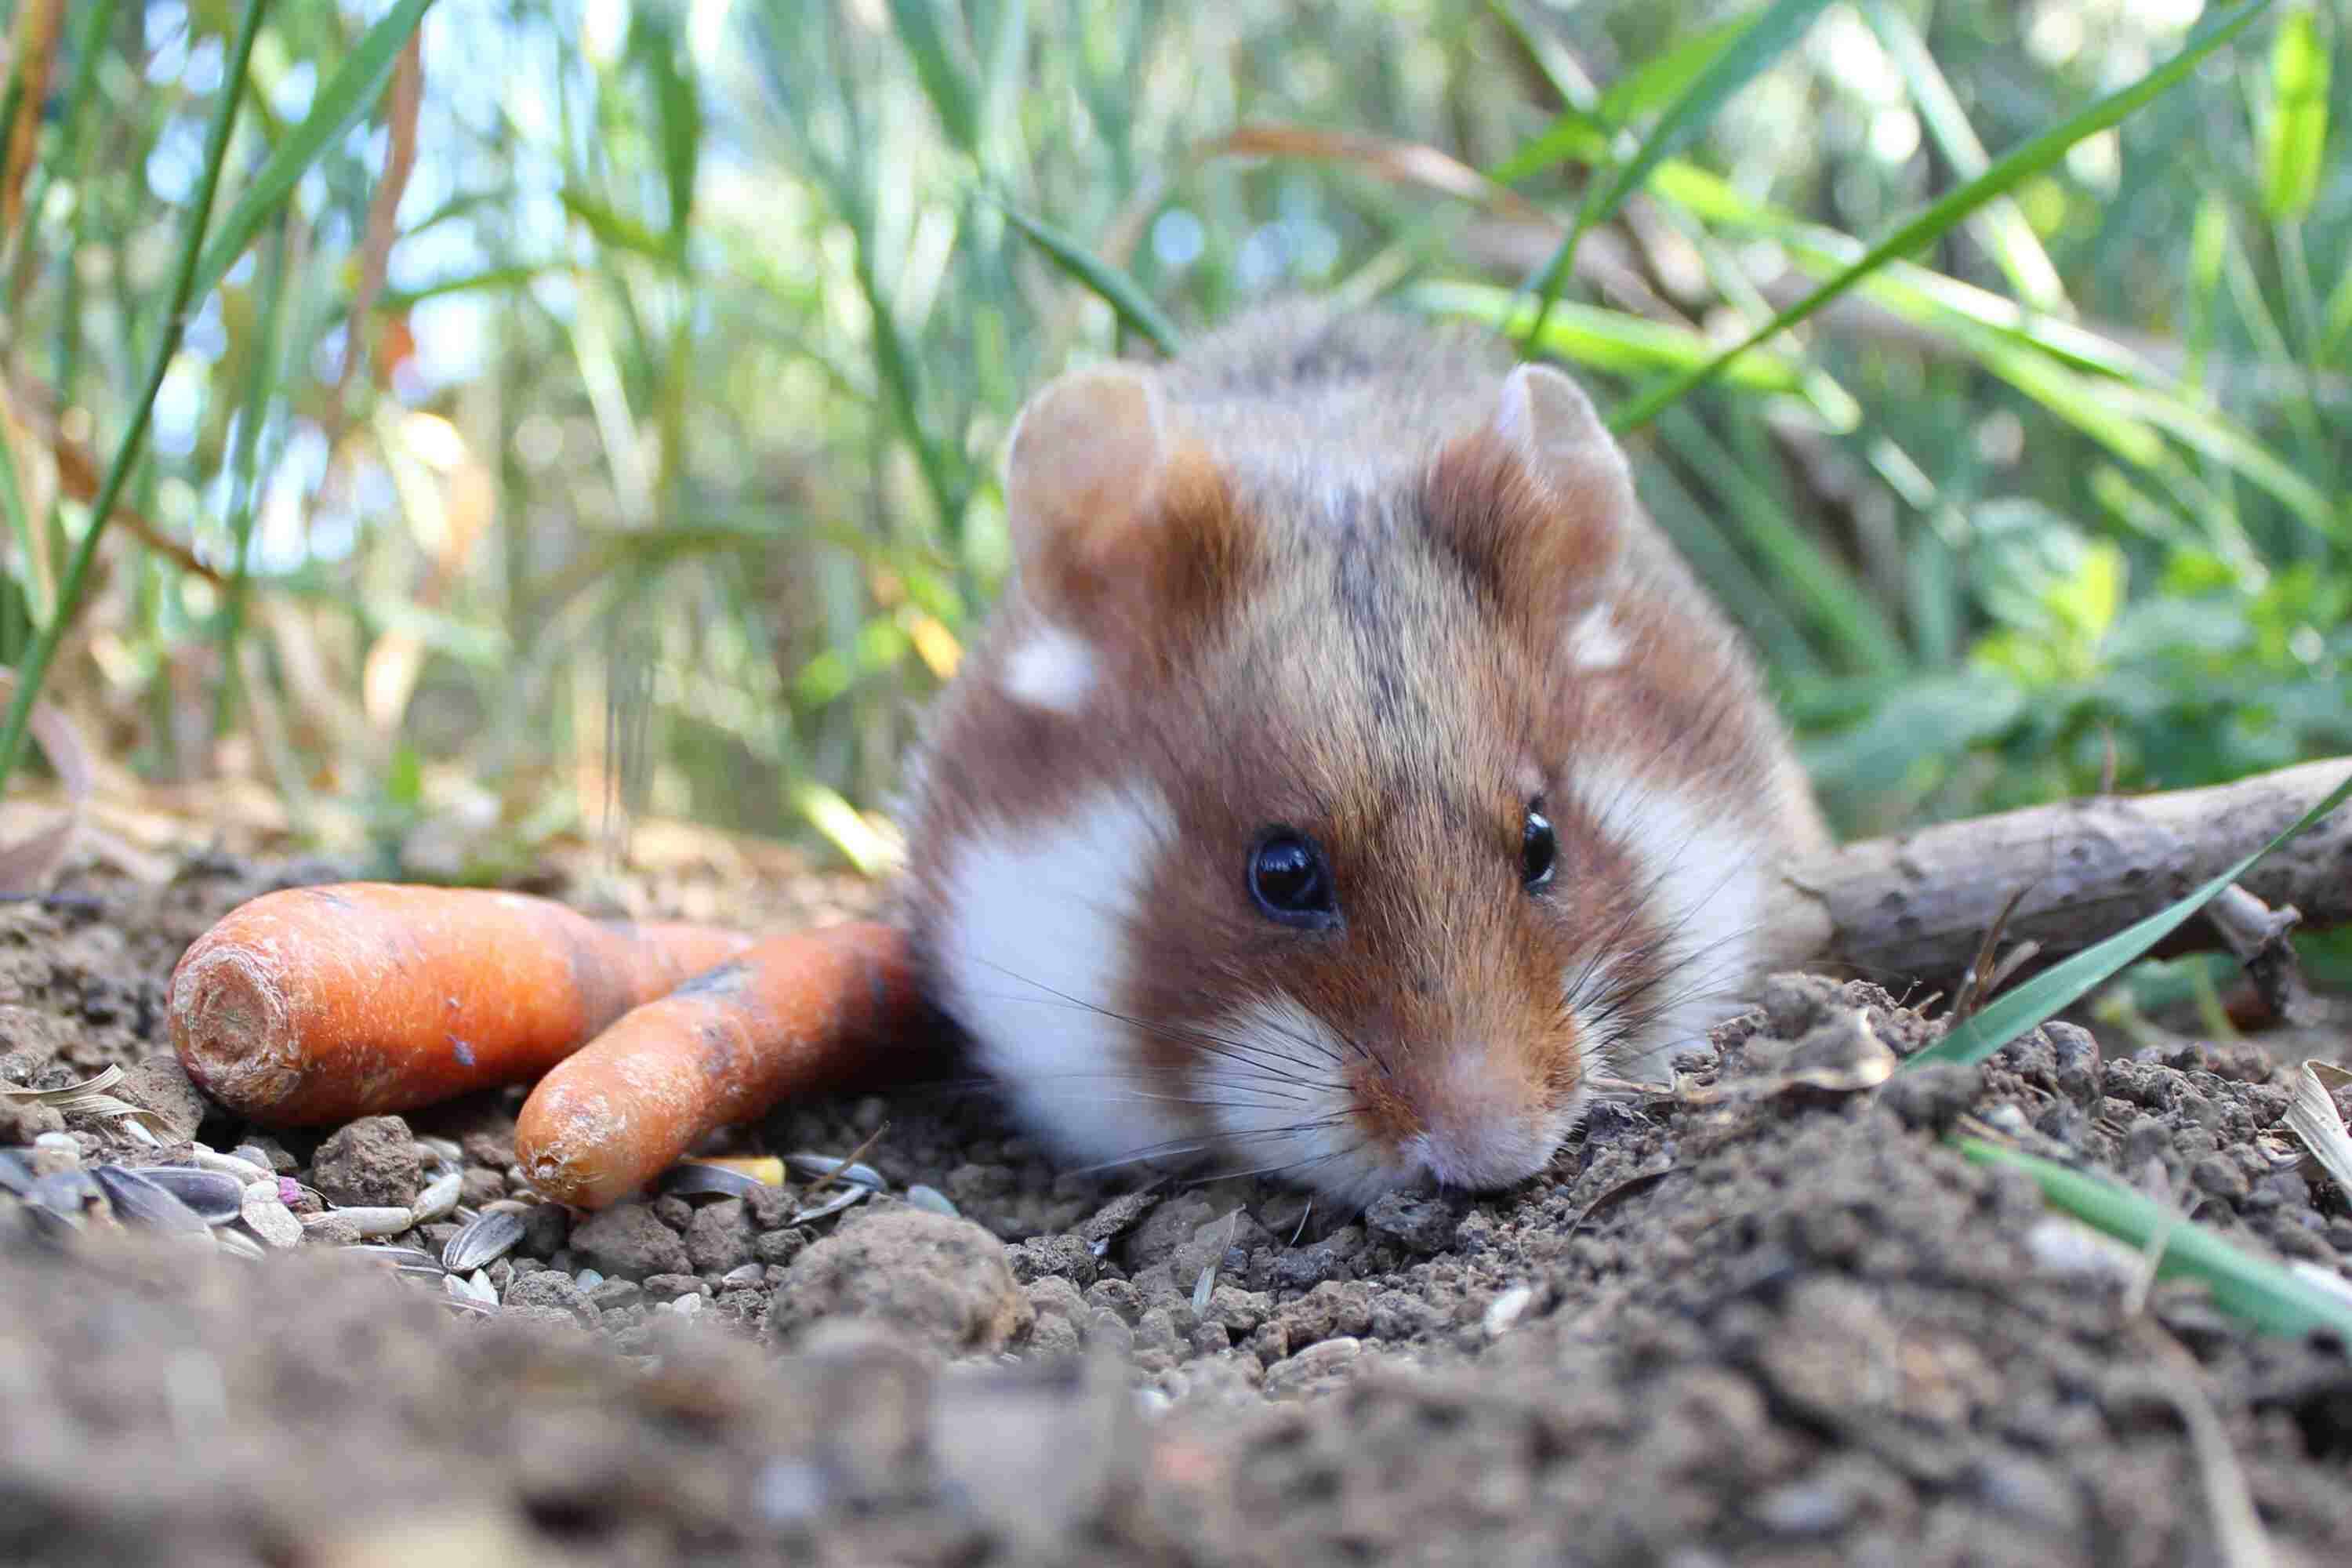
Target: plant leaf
[
  {"x": 1589, "y": 335},
  {"x": 2270, "y": 1297},
  {"x": 342, "y": 103},
  {"x": 2295, "y": 130},
  {"x": 1762, "y": 41},
  {"x": 2059, "y": 987},
  {"x": 2006, "y": 174},
  {"x": 1122, "y": 293}
]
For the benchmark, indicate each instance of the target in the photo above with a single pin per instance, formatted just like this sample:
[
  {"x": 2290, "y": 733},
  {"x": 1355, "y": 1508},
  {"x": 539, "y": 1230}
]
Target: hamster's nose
[{"x": 1485, "y": 1151}]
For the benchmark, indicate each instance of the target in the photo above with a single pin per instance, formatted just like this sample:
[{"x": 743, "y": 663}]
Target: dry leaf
[
  {"x": 90, "y": 1098},
  {"x": 2315, "y": 1119},
  {"x": 1403, "y": 162}
]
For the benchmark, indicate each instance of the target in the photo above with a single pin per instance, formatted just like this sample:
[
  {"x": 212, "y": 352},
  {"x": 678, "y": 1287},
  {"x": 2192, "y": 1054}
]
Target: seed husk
[
  {"x": 366, "y": 1220},
  {"x": 694, "y": 1178},
  {"x": 438, "y": 1200},
  {"x": 862, "y": 1175},
  {"x": 216, "y": 1194},
  {"x": 491, "y": 1237},
  {"x": 244, "y": 1171},
  {"x": 148, "y": 1203},
  {"x": 832, "y": 1206},
  {"x": 927, "y": 1197}
]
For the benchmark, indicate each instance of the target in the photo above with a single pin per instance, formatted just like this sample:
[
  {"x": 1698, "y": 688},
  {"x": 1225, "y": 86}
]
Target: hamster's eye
[
  {"x": 1290, "y": 880},
  {"x": 1538, "y": 850}
]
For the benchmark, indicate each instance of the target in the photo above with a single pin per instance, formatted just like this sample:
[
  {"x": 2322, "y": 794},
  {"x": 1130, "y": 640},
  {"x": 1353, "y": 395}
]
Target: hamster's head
[{"x": 1263, "y": 825}]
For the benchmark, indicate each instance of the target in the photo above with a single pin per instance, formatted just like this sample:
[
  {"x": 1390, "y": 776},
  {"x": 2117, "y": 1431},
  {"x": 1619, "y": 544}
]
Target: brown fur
[{"x": 1337, "y": 601}]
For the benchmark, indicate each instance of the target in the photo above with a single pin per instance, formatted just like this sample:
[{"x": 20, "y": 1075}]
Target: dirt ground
[{"x": 1783, "y": 1329}]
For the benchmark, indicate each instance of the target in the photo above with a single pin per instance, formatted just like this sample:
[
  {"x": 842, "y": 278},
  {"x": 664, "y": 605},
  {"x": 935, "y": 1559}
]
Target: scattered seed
[
  {"x": 136, "y": 1198},
  {"x": 832, "y": 1206},
  {"x": 459, "y": 1293},
  {"x": 492, "y": 1236},
  {"x": 437, "y": 1200},
  {"x": 445, "y": 1149},
  {"x": 937, "y": 1202},
  {"x": 69, "y": 1193},
  {"x": 478, "y": 1282},
  {"x": 1505, "y": 1310},
  {"x": 742, "y": 1274},
  {"x": 368, "y": 1220},
  {"x": 253, "y": 1156},
  {"x": 827, "y": 1165},
  {"x": 216, "y": 1194},
  {"x": 268, "y": 1218},
  {"x": 237, "y": 1244},
  {"x": 693, "y": 1178},
  {"x": 244, "y": 1171}
]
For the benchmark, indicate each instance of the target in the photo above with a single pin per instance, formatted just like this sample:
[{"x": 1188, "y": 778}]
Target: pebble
[
  {"x": 369, "y": 1163},
  {"x": 1318, "y": 1360},
  {"x": 940, "y": 1282},
  {"x": 742, "y": 1274},
  {"x": 627, "y": 1239},
  {"x": 1505, "y": 1310},
  {"x": 55, "y": 1154},
  {"x": 369, "y": 1220},
  {"x": 269, "y": 1218}
]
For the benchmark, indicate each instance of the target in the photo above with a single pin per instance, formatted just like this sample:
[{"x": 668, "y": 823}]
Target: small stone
[
  {"x": 544, "y": 1228},
  {"x": 550, "y": 1288},
  {"x": 268, "y": 1218},
  {"x": 369, "y": 1163},
  {"x": 720, "y": 1237},
  {"x": 330, "y": 1229},
  {"x": 26, "y": 1121},
  {"x": 675, "y": 1213},
  {"x": 1420, "y": 1224},
  {"x": 776, "y": 1247},
  {"x": 611, "y": 1294},
  {"x": 1931, "y": 1097},
  {"x": 54, "y": 1154},
  {"x": 493, "y": 1147},
  {"x": 159, "y": 1084},
  {"x": 478, "y": 1186},
  {"x": 1054, "y": 1337},
  {"x": 628, "y": 1240},
  {"x": 670, "y": 1287},
  {"x": 1321, "y": 1360},
  {"x": 2220, "y": 1175},
  {"x": 935, "y": 1278}
]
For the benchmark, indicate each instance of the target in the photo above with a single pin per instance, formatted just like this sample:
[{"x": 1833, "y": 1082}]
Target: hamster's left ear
[
  {"x": 1536, "y": 503},
  {"x": 1115, "y": 515}
]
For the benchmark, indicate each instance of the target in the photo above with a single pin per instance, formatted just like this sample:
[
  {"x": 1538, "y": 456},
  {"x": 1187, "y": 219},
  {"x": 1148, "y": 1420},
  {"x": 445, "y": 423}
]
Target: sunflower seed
[
  {"x": 445, "y": 1149},
  {"x": 832, "y": 1206},
  {"x": 374, "y": 1220},
  {"x": 438, "y": 1200},
  {"x": 492, "y": 1236},
  {"x": 744, "y": 1274},
  {"x": 691, "y": 1178},
  {"x": 237, "y": 1244},
  {"x": 155, "y": 1206},
  {"x": 458, "y": 1294},
  {"x": 862, "y": 1175},
  {"x": 253, "y": 1156},
  {"x": 478, "y": 1282},
  {"x": 244, "y": 1171},
  {"x": 216, "y": 1194},
  {"x": 268, "y": 1218},
  {"x": 69, "y": 1193},
  {"x": 922, "y": 1197}
]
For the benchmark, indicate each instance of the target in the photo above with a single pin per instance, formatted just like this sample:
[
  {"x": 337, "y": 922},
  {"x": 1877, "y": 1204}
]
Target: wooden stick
[{"x": 1913, "y": 906}]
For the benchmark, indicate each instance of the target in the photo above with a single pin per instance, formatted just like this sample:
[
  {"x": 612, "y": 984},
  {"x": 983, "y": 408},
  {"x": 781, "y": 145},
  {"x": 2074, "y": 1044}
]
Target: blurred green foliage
[{"x": 645, "y": 450}]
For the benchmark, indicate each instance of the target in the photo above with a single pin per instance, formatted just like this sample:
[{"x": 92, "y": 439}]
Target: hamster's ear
[
  {"x": 1116, "y": 516},
  {"x": 1537, "y": 503}
]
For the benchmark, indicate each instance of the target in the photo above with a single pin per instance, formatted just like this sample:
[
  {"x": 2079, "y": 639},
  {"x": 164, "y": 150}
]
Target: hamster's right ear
[{"x": 1116, "y": 515}]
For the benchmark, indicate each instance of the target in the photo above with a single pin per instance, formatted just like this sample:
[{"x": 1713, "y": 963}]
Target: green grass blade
[
  {"x": 346, "y": 99},
  {"x": 2059, "y": 987},
  {"x": 946, "y": 80},
  {"x": 2008, "y": 173},
  {"x": 2001, "y": 225},
  {"x": 1122, "y": 293},
  {"x": 1658, "y": 80},
  {"x": 44, "y": 651},
  {"x": 2253, "y": 1288},
  {"x": 1761, "y": 42},
  {"x": 1606, "y": 339},
  {"x": 615, "y": 229},
  {"x": 678, "y": 114},
  {"x": 2294, "y": 126},
  {"x": 1574, "y": 136}
]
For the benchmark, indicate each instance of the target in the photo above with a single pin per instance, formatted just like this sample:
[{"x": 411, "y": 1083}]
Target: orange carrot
[
  {"x": 317, "y": 1005},
  {"x": 832, "y": 1008}
]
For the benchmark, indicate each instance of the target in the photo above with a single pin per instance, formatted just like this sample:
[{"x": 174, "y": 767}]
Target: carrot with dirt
[
  {"x": 316, "y": 1005},
  {"x": 831, "y": 1008}
]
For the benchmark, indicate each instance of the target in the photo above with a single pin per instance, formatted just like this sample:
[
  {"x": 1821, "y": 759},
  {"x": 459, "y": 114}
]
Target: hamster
[{"x": 1348, "y": 773}]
